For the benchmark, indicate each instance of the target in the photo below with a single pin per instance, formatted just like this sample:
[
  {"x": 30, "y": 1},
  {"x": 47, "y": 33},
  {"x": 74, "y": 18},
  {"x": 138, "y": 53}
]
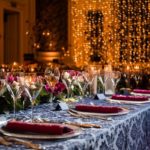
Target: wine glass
[
  {"x": 116, "y": 78},
  {"x": 111, "y": 80},
  {"x": 67, "y": 81},
  {"x": 2, "y": 86},
  {"x": 15, "y": 91},
  {"x": 33, "y": 85},
  {"x": 89, "y": 79},
  {"x": 101, "y": 80},
  {"x": 56, "y": 73}
]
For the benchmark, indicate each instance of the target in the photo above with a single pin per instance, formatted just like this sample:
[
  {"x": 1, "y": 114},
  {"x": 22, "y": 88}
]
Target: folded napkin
[
  {"x": 43, "y": 128},
  {"x": 98, "y": 109},
  {"x": 129, "y": 98},
  {"x": 141, "y": 91}
]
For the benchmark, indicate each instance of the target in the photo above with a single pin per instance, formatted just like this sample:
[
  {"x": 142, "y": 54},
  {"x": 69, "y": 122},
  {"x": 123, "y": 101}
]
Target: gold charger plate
[
  {"x": 123, "y": 112},
  {"x": 128, "y": 101},
  {"x": 76, "y": 131},
  {"x": 140, "y": 94}
]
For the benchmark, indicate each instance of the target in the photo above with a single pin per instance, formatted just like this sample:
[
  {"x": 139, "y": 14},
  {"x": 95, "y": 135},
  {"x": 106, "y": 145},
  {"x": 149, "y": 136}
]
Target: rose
[
  {"x": 11, "y": 79},
  {"x": 57, "y": 89}
]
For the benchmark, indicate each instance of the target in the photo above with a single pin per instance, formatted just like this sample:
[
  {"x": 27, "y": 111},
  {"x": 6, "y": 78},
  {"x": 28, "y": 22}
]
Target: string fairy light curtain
[
  {"x": 133, "y": 17},
  {"x": 90, "y": 31},
  {"x": 110, "y": 31}
]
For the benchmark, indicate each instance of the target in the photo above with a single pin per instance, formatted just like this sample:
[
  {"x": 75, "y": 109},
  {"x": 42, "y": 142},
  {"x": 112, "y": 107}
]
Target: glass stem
[
  {"x": 14, "y": 108},
  {"x": 32, "y": 111}
]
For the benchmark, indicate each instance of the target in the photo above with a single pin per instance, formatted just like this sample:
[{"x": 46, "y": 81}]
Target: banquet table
[{"x": 124, "y": 132}]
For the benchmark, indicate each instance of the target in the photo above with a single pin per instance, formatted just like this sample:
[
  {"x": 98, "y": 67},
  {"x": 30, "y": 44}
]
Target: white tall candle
[{"x": 95, "y": 85}]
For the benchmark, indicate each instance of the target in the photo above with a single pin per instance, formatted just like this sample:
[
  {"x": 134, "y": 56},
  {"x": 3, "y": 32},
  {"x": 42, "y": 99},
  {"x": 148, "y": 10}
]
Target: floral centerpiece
[
  {"x": 74, "y": 82},
  {"x": 55, "y": 92},
  {"x": 9, "y": 87}
]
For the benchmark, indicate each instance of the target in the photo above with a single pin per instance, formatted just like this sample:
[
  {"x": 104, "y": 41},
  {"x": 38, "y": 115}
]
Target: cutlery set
[
  {"x": 78, "y": 114},
  {"x": 9, "y": 141},
  {"x": 82, "y": 125}
]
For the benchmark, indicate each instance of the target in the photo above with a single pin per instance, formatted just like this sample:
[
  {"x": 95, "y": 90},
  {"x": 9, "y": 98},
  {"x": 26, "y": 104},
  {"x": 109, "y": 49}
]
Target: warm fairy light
[
  {"x": 47, "y": 33},
  {"x": 136, "y": 67},
  {"x": 14, "y": 63},
  {"x": 108, "y": 68},
  {"x": 62, "y": 48},
  {"x": 32, "y": 69},
  {"x": 86, "y": 41},
  {"x": 123, "y": 38},
  {"x": 43, "y": 33},
  {"x": 38, "y": 46},
  {"x": 50, "y": 44},
  {"x": 27, "y": 32},
  {"x": 128, "y": 67}
]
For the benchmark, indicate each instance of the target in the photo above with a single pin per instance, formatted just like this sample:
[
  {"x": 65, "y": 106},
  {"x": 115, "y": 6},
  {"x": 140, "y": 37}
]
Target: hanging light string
[{"x": 124, "y": 36}]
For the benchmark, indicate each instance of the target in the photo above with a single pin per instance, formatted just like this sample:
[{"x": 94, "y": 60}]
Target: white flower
[
  {"x": 80, "y": 79},
  {"x": 32, "y": 86},
  {"x": 16, "y": 85},
  {"x": 66, "y": 75},
  {"x": 72, "y": 87},
  {"x": 69, "y": 80}
]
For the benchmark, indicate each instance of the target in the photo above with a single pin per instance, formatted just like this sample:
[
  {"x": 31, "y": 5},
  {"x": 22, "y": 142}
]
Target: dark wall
[{"x": 52, "y": 15}]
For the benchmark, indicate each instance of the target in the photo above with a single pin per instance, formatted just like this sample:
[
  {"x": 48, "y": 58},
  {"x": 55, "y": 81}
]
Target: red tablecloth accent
[
  {"x": 42, "y": 128},
  {"x": 129, "y": 98},
  {"x": 98, "y": 109},
  {"x": 141, "y": 91}
]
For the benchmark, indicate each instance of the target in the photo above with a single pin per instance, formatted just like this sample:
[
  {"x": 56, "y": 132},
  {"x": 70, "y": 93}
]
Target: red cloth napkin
[
  {"x": 98, "y": 109},
  {"x": 141, "y": 91},
  {"x": 43, "y": 128},
  {"x": 129, "y": 98}
]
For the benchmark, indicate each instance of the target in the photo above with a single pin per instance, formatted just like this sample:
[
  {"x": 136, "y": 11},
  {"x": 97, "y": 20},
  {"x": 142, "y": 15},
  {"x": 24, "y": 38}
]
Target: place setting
[
  {"x": 101, "y": 112},
  {"x": 129, "y": 99},
  {"x": 42, "y": 131},
  {"x": 141, "y": 92}
]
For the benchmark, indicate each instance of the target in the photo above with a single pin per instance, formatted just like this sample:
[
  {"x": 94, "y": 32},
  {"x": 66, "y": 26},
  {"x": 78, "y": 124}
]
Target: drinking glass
[
  {"x": 15, "y": 93},
  {"x": 33, "y": 86},
  {"x": 101, "y": 81},
  {"x": 2, "y": 87},
  {"x": 56, "y": 73},
  {"x": 111, "y": 80},
  {"x": 89, "y": 78},
  {"x": 116, "y": 78},
  {"x": 66, "y": 78}
]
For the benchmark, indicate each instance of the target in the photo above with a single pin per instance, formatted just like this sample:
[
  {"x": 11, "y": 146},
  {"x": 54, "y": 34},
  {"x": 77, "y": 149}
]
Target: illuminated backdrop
[{"x": 110, "y": 31}]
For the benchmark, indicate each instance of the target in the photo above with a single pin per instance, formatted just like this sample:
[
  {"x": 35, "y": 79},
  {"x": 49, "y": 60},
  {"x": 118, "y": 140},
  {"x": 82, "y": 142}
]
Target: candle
[{"x": 95, "y": 85}]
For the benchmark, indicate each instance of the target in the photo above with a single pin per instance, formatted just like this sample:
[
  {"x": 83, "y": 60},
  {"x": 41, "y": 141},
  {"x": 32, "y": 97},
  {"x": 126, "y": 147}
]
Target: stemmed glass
[
  {"x": 51, "y": 77},
  {"x": 116, "y": 78},
  {"x": 89, "y": 78},
  {"x": 67, "y": 81},
  {"x": 101, "y": 79},
  {"x": 56, "y": 73},
  {"x": 15, "y": 90},
  {"x": 2, "y": 86},
  {"x": 111, "y": 80},
  {"x": 32, "y": 86}
]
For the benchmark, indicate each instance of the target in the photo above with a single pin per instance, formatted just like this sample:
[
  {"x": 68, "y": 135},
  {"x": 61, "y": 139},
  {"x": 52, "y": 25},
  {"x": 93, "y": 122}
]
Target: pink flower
[
  {"x": 57, "y": 89},
  {"x": 10, "y": 79},
  {"x": 48, "y": 88},
  {"x": 74, "y": 73}
]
